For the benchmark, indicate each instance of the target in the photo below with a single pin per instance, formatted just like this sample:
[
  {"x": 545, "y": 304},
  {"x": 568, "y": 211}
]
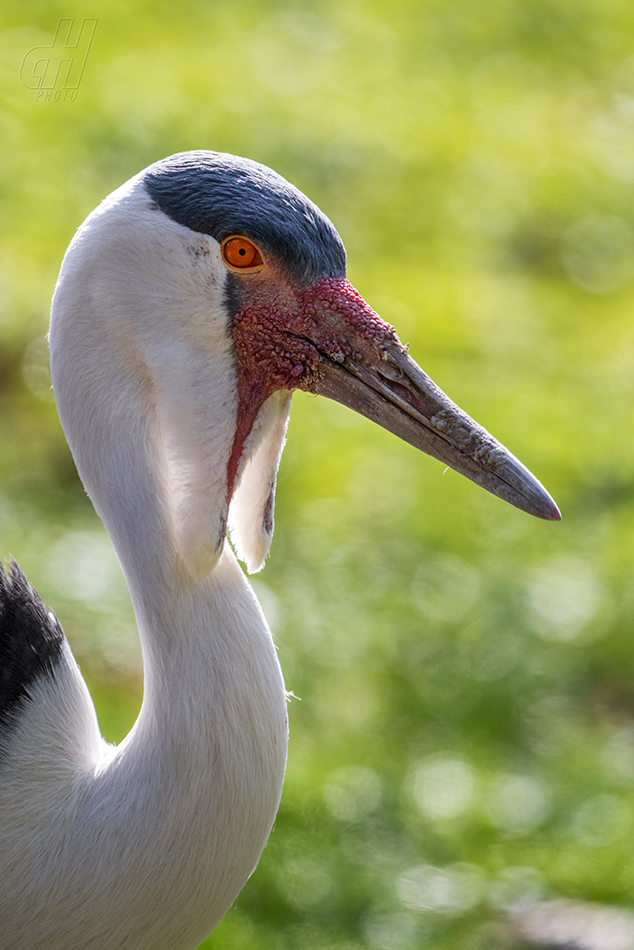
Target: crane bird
[{"x": 190, "y": 304}]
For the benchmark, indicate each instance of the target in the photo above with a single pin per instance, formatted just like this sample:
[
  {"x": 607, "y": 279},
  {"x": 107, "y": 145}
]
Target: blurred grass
[{"x": 465, "y": 736}]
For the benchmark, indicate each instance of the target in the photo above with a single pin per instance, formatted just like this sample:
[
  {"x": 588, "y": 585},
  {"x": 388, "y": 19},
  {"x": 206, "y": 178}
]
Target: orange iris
[{"x": 240, "y": 252}]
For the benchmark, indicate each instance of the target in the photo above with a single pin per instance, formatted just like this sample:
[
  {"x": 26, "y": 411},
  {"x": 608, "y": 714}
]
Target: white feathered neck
[{"x": 176, "y": 818}]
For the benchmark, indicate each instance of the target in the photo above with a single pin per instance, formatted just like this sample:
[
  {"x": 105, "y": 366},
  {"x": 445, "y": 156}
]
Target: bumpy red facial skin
[
  {"x": 281, "y": 342},
  {"x": 282, "y": 349}
]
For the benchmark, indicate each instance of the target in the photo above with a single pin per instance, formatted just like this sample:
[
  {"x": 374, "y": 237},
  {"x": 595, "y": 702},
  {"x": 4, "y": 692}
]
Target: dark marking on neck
[
  {"x": 268, "y": 515},
  {"x": 232, "y": 296}
]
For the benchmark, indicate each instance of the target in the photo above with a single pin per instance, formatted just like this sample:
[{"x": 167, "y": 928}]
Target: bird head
[{"x": 223, "y": 289}]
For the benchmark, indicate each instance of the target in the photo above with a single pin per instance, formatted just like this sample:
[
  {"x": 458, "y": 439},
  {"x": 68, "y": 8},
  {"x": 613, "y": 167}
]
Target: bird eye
[{"x": 239, "y": 252}]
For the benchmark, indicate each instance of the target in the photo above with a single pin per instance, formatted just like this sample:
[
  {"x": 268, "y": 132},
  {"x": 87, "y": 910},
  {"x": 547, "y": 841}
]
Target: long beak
[{"x": 374, "y": 375}]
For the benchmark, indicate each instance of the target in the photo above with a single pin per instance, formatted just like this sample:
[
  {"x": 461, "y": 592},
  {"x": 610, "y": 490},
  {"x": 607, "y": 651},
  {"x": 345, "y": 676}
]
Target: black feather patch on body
[
  {"x": 219, "y": 194},
  {"x": 31, "y": 641}
]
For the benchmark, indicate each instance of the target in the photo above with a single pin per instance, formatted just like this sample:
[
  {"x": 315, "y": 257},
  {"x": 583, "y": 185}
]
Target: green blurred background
[{"x": 465, "y": 735}]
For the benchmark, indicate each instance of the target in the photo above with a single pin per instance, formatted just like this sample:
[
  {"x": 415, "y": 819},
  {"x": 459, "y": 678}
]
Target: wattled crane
[{"x": 190, "y": 304}]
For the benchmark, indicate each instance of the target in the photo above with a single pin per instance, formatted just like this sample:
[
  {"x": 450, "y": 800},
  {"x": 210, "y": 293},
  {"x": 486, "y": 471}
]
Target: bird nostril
[
  {"x": 390, "y": 371},
  {"x": 417, "y": 401}
]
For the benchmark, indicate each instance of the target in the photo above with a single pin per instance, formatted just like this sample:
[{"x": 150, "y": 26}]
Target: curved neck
[
  {"x": 151, "y": 430},
  {"x": 208, "y": 750},
  {"x": 193, "y": 790}
]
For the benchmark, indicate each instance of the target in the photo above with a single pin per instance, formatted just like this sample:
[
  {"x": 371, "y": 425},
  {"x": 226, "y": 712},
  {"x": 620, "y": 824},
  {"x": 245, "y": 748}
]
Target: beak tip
[
  {"x": 554, "y": 514},
  {"x": 543, "y": 506}
]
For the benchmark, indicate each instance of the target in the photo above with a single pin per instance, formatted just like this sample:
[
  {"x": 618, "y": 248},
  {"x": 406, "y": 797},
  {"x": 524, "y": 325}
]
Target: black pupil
[{"x": 242, "y": 251}]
